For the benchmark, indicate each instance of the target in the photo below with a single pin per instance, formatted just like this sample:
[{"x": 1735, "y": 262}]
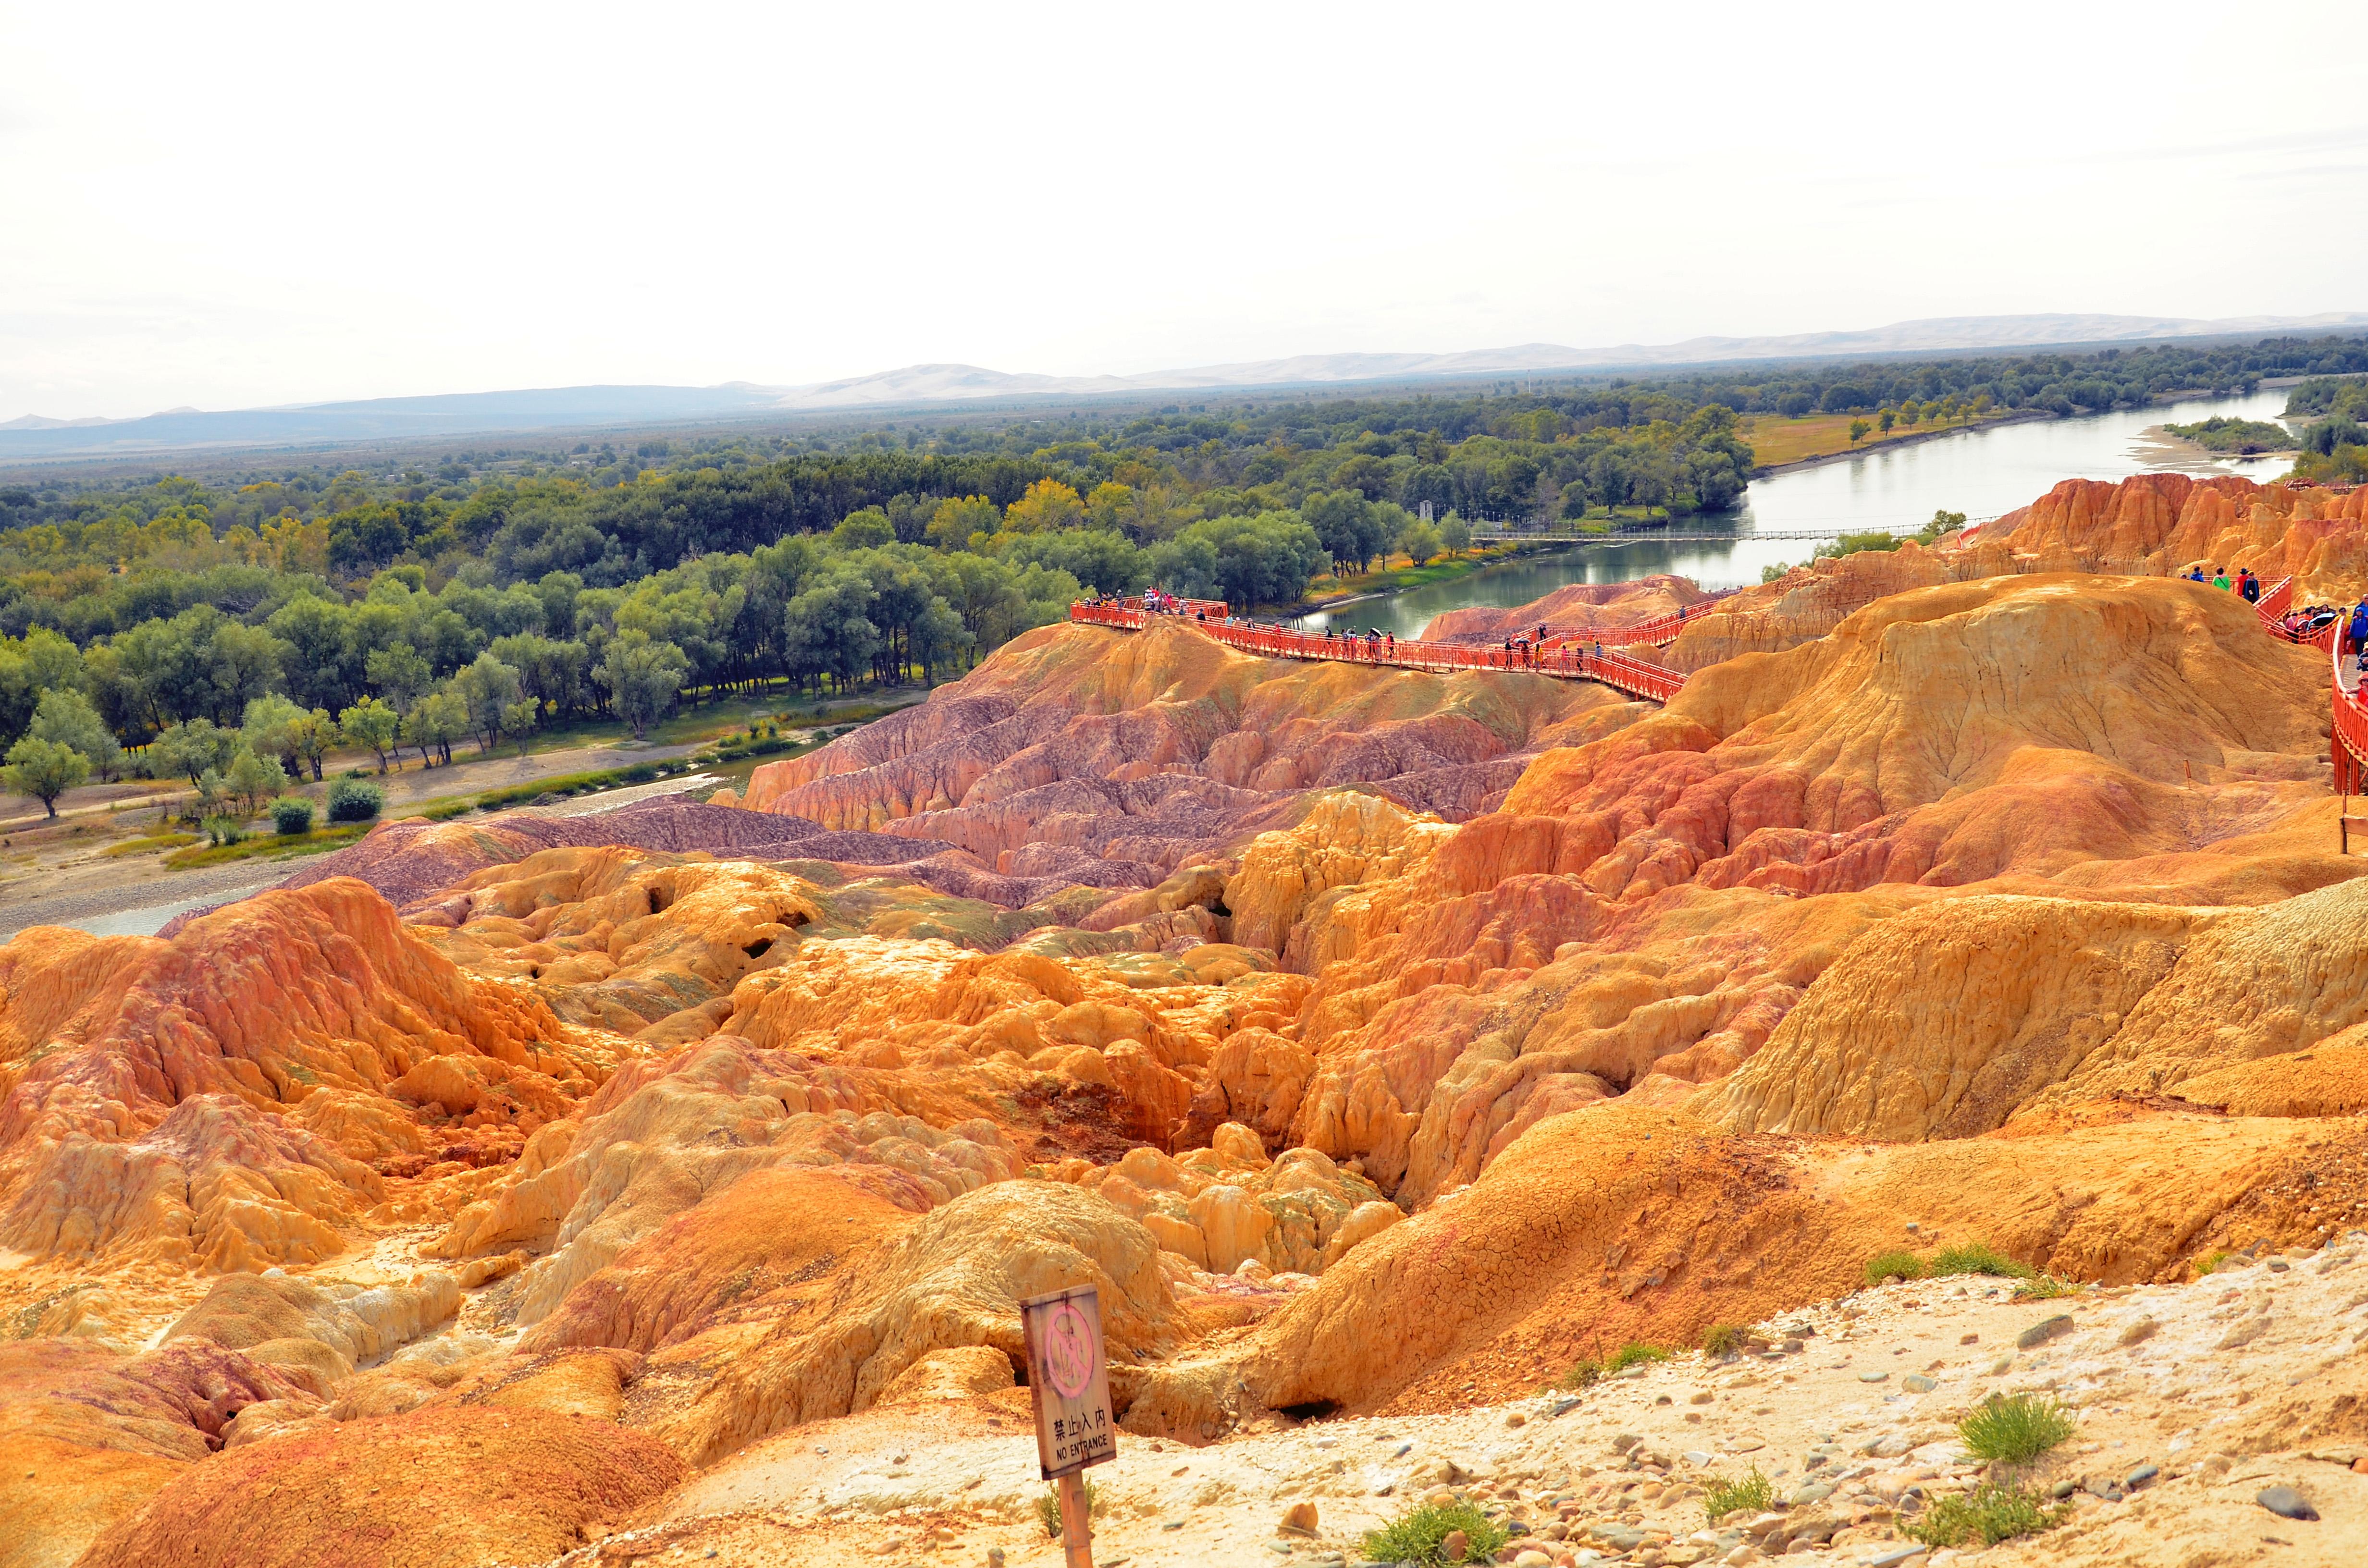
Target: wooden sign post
[{"x": 1069, "y": 1380}]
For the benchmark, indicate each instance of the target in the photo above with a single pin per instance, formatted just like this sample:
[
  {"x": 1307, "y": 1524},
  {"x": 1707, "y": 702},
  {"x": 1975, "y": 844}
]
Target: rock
[
  {"x": 2285, "y": 1503},
  {"x": 1454, "y": 1546},
  {"x": 1815, "y": 1492},
  {"x": 1533, "y": 1559},
  {"x": 2140, "y": 1476},
  {"x": 2063, "y": 1489},
  {"x": 2137, "y": 1333},
  {"x": 2042, "y": 1331},
  {"x": 1891, "y": 1556},
  {"x": 1916, "y": 1383},
  {"x": 1300, "y": 1516},
  {"x": 1872, "y": 1377}
]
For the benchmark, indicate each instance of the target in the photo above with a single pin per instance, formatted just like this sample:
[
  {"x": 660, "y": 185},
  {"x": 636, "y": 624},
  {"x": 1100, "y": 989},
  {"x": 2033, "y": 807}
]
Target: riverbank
[
  {"x": 1897, "y": 439},
  {"x": 1381, "y": 584}
]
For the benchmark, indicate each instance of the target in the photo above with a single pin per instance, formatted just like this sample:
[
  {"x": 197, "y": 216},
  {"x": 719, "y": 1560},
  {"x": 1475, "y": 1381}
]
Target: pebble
[
  {"x": 2285, "y": 1503},
  {"x": 1300, "y": 1516},
  {"x": 1890, "y": 1557},
  {"x": 1453, "y": 1548},
  {"x": 1872, "y": 1377},
  {"x": 1916, "y": 1383},
  {"x": 1815, "y": 1492},
  {"x": 2044, "y": 1330},
  {"x": 2140, "y": 1476}
]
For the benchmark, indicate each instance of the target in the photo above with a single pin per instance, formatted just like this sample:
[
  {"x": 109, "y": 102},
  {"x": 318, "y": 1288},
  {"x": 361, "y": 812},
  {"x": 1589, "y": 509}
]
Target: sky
[{"x": 237, "y": 206}]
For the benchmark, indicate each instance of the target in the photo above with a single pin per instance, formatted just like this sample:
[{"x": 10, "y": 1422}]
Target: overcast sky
[{"x": 237, "y": 205}]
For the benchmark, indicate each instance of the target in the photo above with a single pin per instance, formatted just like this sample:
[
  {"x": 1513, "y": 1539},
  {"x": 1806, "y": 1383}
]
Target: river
[{"x": 1982, "y": 474}]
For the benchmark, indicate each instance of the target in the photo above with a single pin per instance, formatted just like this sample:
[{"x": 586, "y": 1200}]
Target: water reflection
[{"x": 1979, "y": 472}]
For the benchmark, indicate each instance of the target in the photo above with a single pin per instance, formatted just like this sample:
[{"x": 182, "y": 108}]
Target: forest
[
  {"x": 2332, "y": 414},
  {"x": 487, "y": 593}
]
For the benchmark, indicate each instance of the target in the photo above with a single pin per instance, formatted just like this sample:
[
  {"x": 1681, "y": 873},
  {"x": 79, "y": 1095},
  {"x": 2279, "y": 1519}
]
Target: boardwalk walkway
[{"x": 1567, "y": 659}]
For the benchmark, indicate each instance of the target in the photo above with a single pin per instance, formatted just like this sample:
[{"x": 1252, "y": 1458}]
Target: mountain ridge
[{"x": 943, "y": 383}]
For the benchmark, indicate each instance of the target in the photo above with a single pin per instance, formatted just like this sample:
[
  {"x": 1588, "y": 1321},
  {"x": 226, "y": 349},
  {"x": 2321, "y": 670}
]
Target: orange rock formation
[{"x": 1365, "y": 1037}]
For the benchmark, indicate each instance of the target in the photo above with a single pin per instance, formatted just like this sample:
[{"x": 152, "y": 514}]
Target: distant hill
[{"x": 555, "y": 408}]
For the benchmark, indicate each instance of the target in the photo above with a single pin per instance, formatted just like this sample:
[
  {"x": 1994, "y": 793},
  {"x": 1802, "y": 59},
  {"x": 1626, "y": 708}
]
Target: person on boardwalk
[
  {"x": 2196, "y": 576},
  {"x": 2220, "y": 579},
  {"x": 2249, "y": 586},
  {"x": 2357, "y": 638}
]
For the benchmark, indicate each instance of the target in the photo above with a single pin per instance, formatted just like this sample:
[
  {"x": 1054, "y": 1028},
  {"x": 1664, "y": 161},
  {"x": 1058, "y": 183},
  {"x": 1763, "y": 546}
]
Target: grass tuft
[
  {"x": 1048, "y": 1508},
  {"x": 1975, "y": 1258},
  {"x": 1636, "y": 1353},
  {"x": 1752, "y": 1492},
  {"x": 1991, "y": 1511},
  {"x": 2015, "y": 1429},
  {"x": 1420, "y": 1534},
  {"x": 2044, "y": 1287},
  {"x": 1894, "y": 1264},
  {"x": 1721, "y": 1340},
  {"x": 1585, "y": 1375}
]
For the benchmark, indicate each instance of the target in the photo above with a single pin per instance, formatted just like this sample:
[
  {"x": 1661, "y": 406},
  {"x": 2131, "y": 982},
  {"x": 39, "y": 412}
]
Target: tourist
[
  {"x": 2359, "y": 634},
  {"x": 2219, "y": 579},
  {"x": 2196, "y": 576}
]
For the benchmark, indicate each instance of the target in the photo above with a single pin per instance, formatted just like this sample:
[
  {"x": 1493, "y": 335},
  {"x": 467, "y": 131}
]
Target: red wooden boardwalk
[{"x": 1568, "y": 660}]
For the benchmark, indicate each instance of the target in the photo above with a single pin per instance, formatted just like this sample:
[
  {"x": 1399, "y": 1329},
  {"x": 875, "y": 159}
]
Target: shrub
[
  {"x": 223, "y": 829},
  {"x": 1585, "y": 1375},
  {"x": 1721, "y": 1340},
  {"x": 1048, "y": 1508},
  {"x": 1421, "y": 1536},
  {"x": 1752, "y": 1492},
  {"x": 1975, "y": 1258},
  {"x": 2014, "y": 1428},
  {"x": 292, "y": 815},
  {"x": 1883, "y": 1266},
  {"x": 355, "y": 800},
  {"x": 1636, "y": 1353},
  {"x": 2211, "y": 1264},
  {"x": 2046, "y": 1287},
  {"x": 1991, "y": 1511}
]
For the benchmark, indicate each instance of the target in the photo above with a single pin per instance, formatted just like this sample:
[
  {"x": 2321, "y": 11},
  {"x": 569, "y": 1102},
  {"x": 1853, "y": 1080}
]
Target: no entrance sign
[{"x": 1069, "y": 1377}]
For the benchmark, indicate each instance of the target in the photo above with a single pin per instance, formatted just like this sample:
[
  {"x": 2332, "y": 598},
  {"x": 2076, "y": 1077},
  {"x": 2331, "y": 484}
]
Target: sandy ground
[{"x": 2225, "y": 1386}]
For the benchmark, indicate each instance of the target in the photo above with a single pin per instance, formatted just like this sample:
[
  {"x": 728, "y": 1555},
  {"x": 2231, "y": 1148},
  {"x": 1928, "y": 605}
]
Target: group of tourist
[{"x": 2245, "y": 585}]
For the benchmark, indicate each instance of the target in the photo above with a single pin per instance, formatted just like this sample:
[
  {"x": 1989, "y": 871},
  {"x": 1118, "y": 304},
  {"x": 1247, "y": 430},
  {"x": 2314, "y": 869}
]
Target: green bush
[
  {"x": 1420, "y": 1534},
  {"x": 1975, "y": 1258},
  {"x": 292, "y": 815},
  {"x": 1883, "y": 1266},
  {"x": 2015, "y": 1429},
  {"x": 223, "y": 829},
  {"x": 1721, "y": 1340},
  {"x": 1993, "y": 1512},
  {"x": 1753, "y": 1492},
  {"x": 355, "y": 800},
  {"x": 1636, "y": 1353},
  {"x": 1585, "y": 1375},
  {"x": 2044, "y": 1287}
]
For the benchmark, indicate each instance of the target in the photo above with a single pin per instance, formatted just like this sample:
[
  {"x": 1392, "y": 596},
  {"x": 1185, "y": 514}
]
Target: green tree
[
  {"x": 518, "y": 720},
  {"x": 865, "y": 530},
  {"x": 400, "y": 674},
  {"x": 253, "y": 778},
  {"x": 1420, "y": 542},
  {"x": 313, "y": 734},
  {"x": 1455, "y": 533},
  {"x": 191, "y": 749},
  {"x": 1858, "y": 429},
  {"x": 44, "y": 770},
  {"x": 1886, "y": 420},
  {"x": 66, "y": 717},
  {"x": 643, "y": 676},
  {"x": 434, "y": 721},
  {"x": 269, "y": 729},
  {"x": 371, "y": 723},
  {"x": 487, "y": 687}
]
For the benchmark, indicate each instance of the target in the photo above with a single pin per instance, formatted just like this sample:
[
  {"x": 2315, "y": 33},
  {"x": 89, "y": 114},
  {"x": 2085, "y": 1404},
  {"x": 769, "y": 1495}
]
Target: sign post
[{"x": 1068, "y": 1380}]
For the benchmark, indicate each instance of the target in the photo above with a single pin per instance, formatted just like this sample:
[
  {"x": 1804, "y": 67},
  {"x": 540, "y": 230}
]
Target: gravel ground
[
  {"x": 211, "y": 883},
  {"x": 221, "y": 884}
]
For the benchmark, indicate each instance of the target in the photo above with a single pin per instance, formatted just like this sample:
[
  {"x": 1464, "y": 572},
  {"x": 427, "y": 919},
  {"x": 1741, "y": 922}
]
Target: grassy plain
[{"x": 1775, "y": 441}]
